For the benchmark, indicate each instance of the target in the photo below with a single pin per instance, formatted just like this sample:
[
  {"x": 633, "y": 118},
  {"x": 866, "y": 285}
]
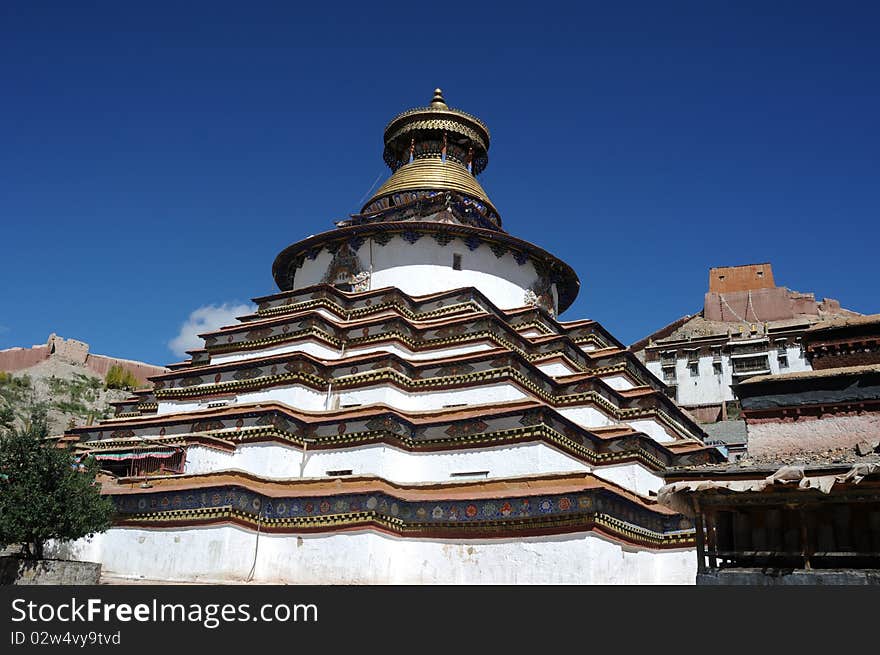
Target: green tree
[
  {"x": 7, "y": 417},
  {"x": 129, "y": 381},
  {"x": 38, "y": 420},
  {"x": 113, "y": 379},
  {"x": 120, "y": 378},
  {"x": 46, "y": 494}
]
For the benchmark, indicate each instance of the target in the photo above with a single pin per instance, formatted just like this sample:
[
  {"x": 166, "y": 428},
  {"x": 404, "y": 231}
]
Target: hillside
[
  {"x": 66, "y": 383},
  {"x": 66, "y": 392}
]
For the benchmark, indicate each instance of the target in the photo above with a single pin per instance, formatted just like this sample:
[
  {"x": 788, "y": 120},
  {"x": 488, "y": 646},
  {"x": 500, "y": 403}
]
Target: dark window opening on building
[
  {"x": 143, "y": 462},
  {"x": 340, "y": 473},
  {"x": 456, "y": 262}
]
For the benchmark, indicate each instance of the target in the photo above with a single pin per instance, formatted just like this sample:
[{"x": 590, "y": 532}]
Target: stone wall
[
  {"x": 76, "y": 352},
  {"x": 18, "y": 359},
  {"x": 774, "y": 436},
  {"x": 70, "y": 350},
  {"x": 786, "y": 578},
  {"x": 101, "y": 364},
  {"x": 758, "y": 305},
  {"x": 20, "y": 571}
]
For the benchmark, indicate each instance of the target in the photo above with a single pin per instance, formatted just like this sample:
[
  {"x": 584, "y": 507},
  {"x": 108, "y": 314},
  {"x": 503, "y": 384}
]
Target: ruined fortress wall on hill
[
  {"x": 71, "y": 350},
  {"x": 17, "y": 359},
  {"x": 76, "y": 352},
  {"x": 101, "y": 364}
]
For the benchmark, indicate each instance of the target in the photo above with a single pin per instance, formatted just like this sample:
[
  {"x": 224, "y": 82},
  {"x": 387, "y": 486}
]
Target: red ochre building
[
  {"x": 407, "y": 408},
  {"x": 748, "y": 327}
]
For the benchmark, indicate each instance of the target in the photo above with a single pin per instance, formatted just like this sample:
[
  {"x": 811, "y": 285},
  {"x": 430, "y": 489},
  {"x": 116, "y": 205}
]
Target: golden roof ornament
[
  {"x": 434, "y": 149},
  {"x": 437, "y": 101}
]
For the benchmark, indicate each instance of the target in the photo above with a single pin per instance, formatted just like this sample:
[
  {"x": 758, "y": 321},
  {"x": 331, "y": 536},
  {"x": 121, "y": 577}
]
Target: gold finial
[{"x": 437, "y": 100}]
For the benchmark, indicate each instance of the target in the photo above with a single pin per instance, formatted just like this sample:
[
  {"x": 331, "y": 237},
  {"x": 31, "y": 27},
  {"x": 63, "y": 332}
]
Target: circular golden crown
[{"x": 462, "y": 128}]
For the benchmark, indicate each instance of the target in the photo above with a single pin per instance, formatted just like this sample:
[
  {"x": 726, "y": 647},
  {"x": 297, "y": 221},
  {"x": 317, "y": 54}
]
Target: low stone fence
[
  {"x": 21, "y": 571},
  {"x": 747, "y": 576}
]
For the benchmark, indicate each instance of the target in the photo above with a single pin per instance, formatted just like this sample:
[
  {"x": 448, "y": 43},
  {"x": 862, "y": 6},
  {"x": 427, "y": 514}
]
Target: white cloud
[{"x": 205, "y": 319}]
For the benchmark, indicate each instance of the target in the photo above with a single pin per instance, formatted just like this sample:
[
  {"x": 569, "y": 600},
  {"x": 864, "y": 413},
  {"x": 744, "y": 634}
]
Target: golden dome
[{"x": 432, "y": 174}]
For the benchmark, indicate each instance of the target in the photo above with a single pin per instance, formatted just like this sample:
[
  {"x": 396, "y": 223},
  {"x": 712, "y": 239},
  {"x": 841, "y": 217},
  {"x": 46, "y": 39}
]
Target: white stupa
[{"x": 407, "y": 409}]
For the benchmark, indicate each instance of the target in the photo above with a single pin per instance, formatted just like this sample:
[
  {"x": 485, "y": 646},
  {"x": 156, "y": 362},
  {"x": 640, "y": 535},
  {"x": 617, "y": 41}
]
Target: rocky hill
[
  {"x": 68, "y": 393},
  {"x": 68, "y": 388}
]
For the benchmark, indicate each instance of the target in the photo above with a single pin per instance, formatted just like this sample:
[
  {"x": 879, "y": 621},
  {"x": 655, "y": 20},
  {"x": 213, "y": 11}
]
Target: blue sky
[{"x": 157, "y": 156}]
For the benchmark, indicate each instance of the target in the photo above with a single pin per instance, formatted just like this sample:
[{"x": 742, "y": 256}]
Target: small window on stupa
[{"x": 470, "y": 474}]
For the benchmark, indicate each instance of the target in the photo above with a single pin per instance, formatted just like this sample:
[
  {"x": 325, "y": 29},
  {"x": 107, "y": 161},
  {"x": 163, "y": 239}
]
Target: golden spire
[
  {"x": 431, "y": 149},
  {"x": 437, "y": 100}
]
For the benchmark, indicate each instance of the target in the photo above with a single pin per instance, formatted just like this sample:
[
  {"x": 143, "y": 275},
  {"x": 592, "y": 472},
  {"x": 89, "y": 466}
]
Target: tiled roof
[
  {"x": 726, "y": 432},
  {"x": 845, "y": 321},
  {"x": 813, "y": 375}
]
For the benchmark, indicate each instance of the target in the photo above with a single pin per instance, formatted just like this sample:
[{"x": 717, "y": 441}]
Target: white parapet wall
[
  {"x": 634, "y": 477},
  {"x": 232, "y": 554},
  {"x": 619, "y": 382},
  {"x": 323, "y": 351},
  {"x": 389, "y": 463},
  {"x": 270, "y": 460},
  {"x": 307, "y": 399}
]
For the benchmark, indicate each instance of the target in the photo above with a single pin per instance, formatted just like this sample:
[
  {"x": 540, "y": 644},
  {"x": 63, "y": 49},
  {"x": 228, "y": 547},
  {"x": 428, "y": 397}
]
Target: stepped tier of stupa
[{"x": 408, "y": 409}]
